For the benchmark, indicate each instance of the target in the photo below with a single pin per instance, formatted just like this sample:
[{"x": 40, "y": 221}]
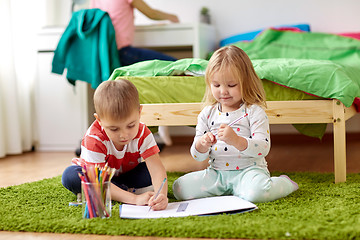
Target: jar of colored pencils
[{"x": 96, "y": 200}]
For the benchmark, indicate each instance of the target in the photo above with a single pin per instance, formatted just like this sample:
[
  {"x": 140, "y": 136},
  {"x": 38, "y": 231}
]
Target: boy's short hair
[{"x": 116, "y": 99}]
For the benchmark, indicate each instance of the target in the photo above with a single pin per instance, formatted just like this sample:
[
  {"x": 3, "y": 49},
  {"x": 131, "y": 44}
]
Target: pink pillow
[{"x": 351, "y": 35}]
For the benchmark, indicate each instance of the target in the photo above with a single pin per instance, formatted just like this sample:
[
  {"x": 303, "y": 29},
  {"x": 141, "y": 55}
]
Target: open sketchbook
[{"x": 203, "y": 206}]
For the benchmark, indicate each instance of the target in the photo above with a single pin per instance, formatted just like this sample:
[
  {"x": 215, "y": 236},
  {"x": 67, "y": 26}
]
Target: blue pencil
[{"x": 158, "y": 192}]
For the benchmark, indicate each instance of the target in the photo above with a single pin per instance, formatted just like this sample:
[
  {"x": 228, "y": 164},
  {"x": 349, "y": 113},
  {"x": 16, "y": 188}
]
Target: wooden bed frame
[{"x": 279, "y": 112}]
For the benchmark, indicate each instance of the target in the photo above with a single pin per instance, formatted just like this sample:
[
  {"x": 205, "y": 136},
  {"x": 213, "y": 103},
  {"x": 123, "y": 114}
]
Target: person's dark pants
[
  {"x": 138, "y": 177},
  {"x": 130, "y": 55}
]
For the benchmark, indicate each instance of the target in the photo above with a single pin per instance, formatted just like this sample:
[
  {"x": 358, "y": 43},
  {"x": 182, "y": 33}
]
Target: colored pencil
[
  {"x": 233, "y": 122},
  {"x": 158, "y": 192},
  {"x": 93, "y": 178}
]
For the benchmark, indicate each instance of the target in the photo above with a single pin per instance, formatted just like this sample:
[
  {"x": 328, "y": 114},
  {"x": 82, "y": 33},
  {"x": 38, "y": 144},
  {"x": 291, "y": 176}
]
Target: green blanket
[
  {"x": 188, "y": 89},
  {"x": 165, "y": 82},
  {"x": 325, "y": 65},
  {"x": 322, "y": 65}
]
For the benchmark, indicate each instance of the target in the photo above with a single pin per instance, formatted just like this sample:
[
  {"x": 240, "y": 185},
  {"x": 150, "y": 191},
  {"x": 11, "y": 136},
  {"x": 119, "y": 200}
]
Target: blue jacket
[{"x": 87, "y": 48}]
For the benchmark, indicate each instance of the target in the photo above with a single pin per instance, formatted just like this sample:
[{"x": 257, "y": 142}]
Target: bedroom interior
[{"x": 336, "y": 153}]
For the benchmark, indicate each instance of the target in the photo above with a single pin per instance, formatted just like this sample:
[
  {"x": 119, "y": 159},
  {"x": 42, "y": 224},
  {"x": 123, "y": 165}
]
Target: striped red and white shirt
[{"x": 97, "y": 148}]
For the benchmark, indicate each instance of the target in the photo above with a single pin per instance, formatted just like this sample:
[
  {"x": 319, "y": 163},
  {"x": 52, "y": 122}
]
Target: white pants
[{"x": 253, "y": 184}]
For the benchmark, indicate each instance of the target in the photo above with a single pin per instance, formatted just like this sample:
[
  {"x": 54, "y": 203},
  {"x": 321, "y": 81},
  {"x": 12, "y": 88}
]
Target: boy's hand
[
  {"x": 160, "y": 203},
  {"x": 143, "y": 199}
]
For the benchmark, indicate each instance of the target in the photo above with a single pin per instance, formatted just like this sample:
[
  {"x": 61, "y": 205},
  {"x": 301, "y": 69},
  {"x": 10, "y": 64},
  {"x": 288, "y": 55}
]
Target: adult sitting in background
[{"x": 121, "y": 13}]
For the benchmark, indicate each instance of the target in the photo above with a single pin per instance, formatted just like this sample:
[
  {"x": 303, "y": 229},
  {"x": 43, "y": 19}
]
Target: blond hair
[
  {"x": 116, "y": 99},
  {"x": 233, "y": 60}
]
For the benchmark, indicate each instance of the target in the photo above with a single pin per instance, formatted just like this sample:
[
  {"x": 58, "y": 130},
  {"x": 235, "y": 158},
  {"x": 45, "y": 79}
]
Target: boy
[{"x": 119, "y": 139}]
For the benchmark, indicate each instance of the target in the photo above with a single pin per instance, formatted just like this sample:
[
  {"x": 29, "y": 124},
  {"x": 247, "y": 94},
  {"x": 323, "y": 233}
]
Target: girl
[{"x": 233, "y": 133}]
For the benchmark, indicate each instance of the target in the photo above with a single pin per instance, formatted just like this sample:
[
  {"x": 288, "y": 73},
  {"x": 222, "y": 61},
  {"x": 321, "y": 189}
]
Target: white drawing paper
[{"x": 203, "y": 206}]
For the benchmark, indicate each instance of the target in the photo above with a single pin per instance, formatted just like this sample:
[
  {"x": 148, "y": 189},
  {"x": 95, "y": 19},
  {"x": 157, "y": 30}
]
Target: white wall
[
  {"x": 57, "y": 13},
  {"x": 232, "y": 17}
]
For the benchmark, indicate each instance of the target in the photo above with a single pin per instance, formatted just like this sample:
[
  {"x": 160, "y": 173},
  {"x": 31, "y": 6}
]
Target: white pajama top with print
[{"x": 254, "y": 127}]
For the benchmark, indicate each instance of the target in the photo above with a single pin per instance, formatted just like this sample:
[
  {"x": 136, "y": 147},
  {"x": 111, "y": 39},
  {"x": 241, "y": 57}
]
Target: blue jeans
[
  {"x": 130, "y": 55},
  {"x": 138, "y": 177}
]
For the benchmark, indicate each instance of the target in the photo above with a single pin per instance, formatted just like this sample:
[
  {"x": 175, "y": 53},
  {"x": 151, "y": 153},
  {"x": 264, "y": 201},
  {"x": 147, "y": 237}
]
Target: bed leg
[{"x": 339, "y": 133}]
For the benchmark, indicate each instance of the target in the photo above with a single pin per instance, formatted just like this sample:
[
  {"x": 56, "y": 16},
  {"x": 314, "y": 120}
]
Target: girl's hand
[
  {"x": 160, "y": 203},
  {"x": 227, "y": 134},
  {"x": 205, "y": 142},
  {"x": 143, "y": 199}
]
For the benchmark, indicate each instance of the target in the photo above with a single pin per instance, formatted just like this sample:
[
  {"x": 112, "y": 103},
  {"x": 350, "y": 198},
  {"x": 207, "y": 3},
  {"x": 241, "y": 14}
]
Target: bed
[{"x": 310, "y": 80}]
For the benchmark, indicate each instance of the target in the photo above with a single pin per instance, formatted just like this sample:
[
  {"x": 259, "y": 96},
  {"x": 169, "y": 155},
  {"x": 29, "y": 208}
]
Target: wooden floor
[{"x": 289, "y": 153}]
